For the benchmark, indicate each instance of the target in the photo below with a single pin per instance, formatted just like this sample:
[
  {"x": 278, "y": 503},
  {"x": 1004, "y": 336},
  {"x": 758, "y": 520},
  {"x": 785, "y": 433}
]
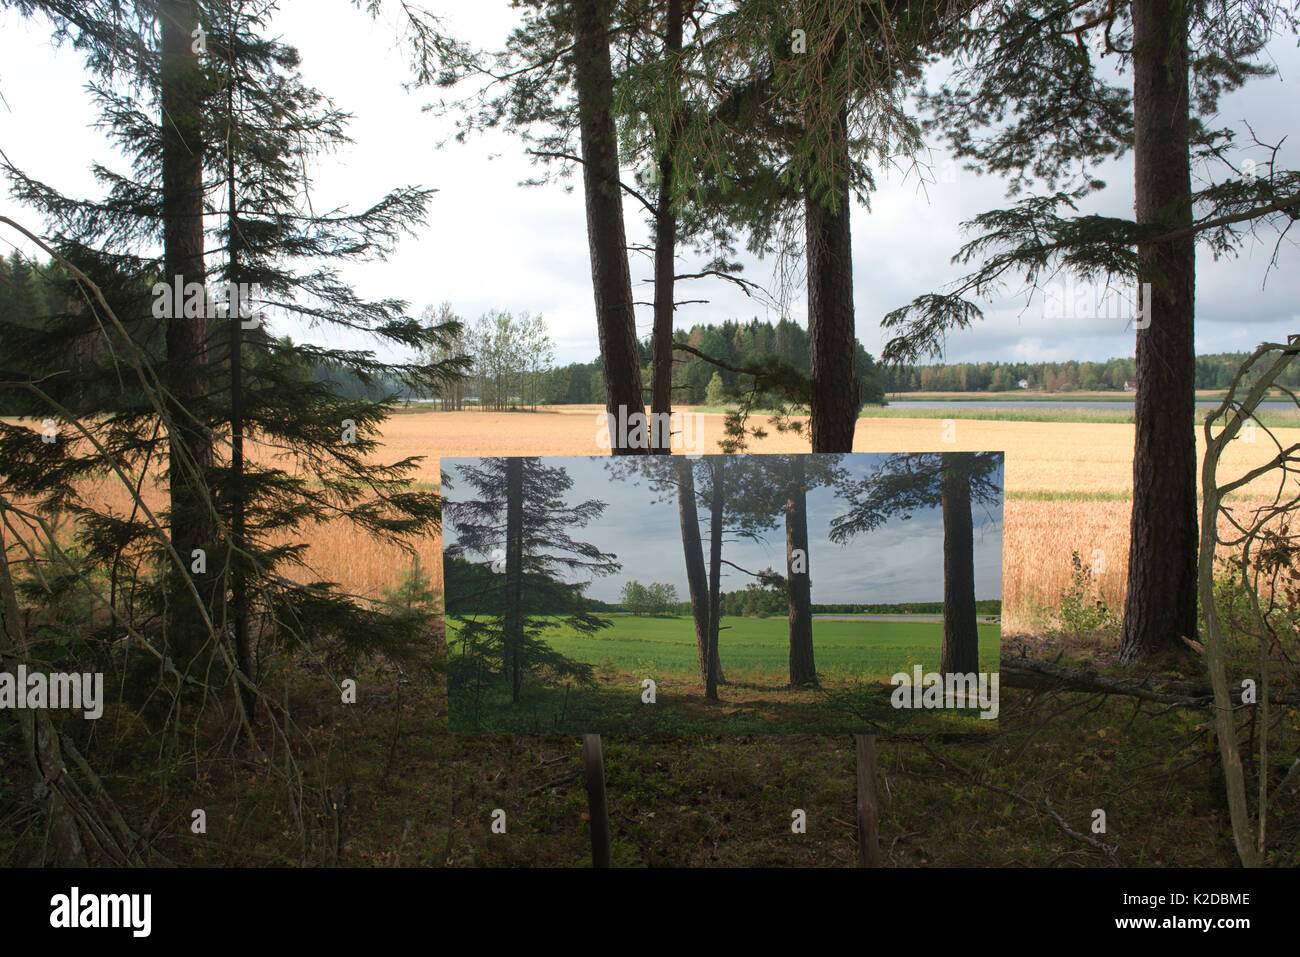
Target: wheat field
[
  {"x": 1067, "y": 484},
  {"x": 1067, "y": 489}
]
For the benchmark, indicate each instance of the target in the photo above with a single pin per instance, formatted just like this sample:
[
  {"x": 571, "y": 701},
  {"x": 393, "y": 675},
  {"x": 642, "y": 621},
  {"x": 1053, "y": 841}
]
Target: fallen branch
[{"x": 1021, "y": 672}]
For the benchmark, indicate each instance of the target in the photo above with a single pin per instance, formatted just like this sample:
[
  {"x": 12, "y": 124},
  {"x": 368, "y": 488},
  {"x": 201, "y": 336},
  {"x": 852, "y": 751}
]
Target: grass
[
  {"x": 408, "y": 793},
  {"x": 1017, "y": 396},
  {"x": 999, "y": 415},
  {"x": 855, "y": 660},
  {"x": 1051, "y": 495},
  {"x": 899, "y": 411},
  {"x": 758, "y": 648}
]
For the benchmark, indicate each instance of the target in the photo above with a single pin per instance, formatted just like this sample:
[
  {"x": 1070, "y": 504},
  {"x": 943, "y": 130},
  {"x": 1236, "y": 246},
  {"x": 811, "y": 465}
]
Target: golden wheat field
[{"x": 1067, "y": 488}]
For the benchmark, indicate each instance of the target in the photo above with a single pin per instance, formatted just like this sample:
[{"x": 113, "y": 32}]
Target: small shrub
[{"x": 1081, "y": 610}]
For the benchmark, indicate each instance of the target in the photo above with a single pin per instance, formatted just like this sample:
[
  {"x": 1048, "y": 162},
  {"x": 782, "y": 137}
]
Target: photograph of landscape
[
  {"x": 687, "y": 434},
  {"x": 587, "y": 594}
]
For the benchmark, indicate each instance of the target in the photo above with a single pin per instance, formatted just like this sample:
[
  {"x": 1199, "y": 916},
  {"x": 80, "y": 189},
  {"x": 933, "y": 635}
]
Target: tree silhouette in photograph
[
  {"x": 697, "y": 577},
  {"x": 793, "y": 476},
  {"x": 740, "y": 505},
  {"x": 954, "y": 482},
  {"x": 521, "y": 524},
  {"x": 738, "y": 501}
]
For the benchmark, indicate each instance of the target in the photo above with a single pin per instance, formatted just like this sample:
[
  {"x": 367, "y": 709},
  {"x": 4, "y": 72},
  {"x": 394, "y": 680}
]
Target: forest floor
[
  {"x": 614, "y": 705},
  {"x": 395, "y": 788}
]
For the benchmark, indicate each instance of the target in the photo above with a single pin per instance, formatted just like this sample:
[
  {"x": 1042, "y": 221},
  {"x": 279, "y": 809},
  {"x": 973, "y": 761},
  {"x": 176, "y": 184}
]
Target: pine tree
[
  {"x": 1066, "y": 118},
  {"x": 794, "y": 476},
  {"x": 739, "y": 501},
  {"x": 790, "y": 104}
]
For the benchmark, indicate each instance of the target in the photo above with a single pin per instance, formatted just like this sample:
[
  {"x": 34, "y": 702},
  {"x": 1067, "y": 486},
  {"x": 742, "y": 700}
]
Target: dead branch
[{"x": 1021, "y": 672}]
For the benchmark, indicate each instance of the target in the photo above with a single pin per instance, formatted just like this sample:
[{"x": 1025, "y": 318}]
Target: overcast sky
[
  {"x": 900, "y": 562},
  {"x": 490, "y": 243}
]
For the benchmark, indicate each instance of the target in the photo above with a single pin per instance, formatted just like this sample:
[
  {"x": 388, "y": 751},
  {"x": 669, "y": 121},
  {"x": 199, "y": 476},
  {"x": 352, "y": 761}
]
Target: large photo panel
[{"x": 791, "y": 594}]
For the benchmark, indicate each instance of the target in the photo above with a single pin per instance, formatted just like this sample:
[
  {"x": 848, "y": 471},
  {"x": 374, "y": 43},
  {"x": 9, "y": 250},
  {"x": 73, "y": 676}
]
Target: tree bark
[
  {"x": 960, "y": 626},
  {"x": 1160, "y": 604},
  {"x": 697, "y": 579},
  {"x": 831, "y": 333},
  {"x": 514, "y": 623},
  {"x": 666, "y": 250},
  {"x": 719, "y": 466},
  {"x": 606, "y": 237},
  {"x": 189, "y": 448},
  {"x": 803, "y": 668}
]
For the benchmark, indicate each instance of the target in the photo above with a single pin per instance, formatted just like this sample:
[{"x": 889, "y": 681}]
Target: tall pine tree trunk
[
  {"x": 606, "y": 237},
  {"x": 189, "y": 448},
  {"x": 798, "y": 584},
  {"x": 666, "y": 249},
  {"x": 960, "y": 626},
  {"x": 697, "y": 579},
  {"x": 835, "y": 388},
  {"x": 717, "y": 501},
  {"x": 514, "y": 573},
  {"x": 1160, "y": 605}
]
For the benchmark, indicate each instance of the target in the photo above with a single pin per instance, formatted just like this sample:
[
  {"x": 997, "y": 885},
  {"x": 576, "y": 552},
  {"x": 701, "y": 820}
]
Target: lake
[{"x": 1273, "y": 405}]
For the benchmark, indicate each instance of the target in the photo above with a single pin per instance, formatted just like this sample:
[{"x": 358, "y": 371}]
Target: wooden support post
[
  {"x": 868, "y": 804},
  {"x": 593, "y": 764}
]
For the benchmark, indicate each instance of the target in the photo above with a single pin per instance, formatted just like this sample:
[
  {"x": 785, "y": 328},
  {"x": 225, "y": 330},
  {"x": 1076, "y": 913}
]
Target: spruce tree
[
  {"x": 521, "y": 526},
  {"x": 275, "y": 259}
]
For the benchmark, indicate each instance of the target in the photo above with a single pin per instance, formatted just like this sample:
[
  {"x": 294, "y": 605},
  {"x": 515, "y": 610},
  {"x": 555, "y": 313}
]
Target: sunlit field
[
  {"x": 1069, "y": 484},
  {"x": 1068, "y": 489}
]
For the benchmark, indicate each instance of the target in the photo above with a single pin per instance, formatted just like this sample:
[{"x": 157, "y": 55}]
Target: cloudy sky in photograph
[
  {"x": 902, "y": 561},
  {"x": 491, "y": 243}
]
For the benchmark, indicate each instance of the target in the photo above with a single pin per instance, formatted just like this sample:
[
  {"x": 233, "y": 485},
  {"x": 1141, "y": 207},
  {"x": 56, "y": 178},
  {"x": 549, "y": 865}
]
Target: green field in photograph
[
  {"x": 855, "y": 660},
  {"x": 759, "y": 648}
]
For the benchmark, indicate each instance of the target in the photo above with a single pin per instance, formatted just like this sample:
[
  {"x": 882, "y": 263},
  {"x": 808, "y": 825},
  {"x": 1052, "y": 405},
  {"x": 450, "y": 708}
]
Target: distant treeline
[
  {"x": 468, "y": 587},
  {"x": 1214, "y": 371},
  {"x": 28, "y": 294},
  {"x": 987, "y": 606},
  {"x": 741, "y": 345}
]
